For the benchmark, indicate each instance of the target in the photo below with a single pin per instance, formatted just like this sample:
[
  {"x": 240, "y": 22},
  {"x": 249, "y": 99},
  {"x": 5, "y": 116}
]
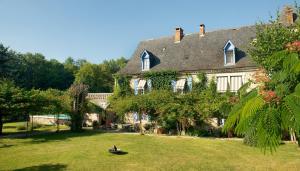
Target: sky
[{"x": 98, "y": 30}]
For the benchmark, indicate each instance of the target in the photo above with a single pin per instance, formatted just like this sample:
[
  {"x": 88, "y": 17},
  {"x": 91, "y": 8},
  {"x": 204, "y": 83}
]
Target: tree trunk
[
  {"x": 178, "y": 129},
  {"x": 230, "y": 133},
  {"x": 1, "y": 124},
  {"x": 182, "y": 128},
  {"x": 293, "y": 136},
  {"x": 141, "y": 125},
  {"x": 298, "y": 138},
  {"x": 27, "y": 124},
  {"x": 57, "y": 124},
  {"x": 31, "y": 123},
  {"x": 105, "y": 119}
]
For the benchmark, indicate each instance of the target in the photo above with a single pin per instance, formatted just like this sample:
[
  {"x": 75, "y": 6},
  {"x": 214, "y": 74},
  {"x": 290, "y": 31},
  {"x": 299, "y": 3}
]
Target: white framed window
[
  {"x": 236, "y": 83},
  {"x": 180, "y": 84},
  {"x": 141, "y": 86},
  {"x": 229, "y": 53},
  {"x": 145, "y": 60},
  {"x": 229, "y": 57},
  {"x": 146, "y": 64},
  {"x": 222, "y": 83}
]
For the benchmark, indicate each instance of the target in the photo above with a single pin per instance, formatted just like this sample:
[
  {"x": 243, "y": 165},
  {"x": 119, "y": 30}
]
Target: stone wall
[{"x": 47, "y": 120}]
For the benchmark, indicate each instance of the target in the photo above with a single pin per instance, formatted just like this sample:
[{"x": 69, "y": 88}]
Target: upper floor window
[
  {"x": 229, "y": 53},
  {"x": 146, "y": 64},
  {"x": 145, "y": 60}
]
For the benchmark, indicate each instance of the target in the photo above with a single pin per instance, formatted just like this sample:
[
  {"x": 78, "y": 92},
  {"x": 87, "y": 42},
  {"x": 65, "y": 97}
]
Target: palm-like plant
[{"x": 263, "y": 113}]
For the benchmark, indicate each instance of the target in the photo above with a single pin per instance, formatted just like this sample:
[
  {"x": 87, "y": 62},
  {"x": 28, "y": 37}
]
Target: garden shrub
[
  {"x": 95, "y": 125},
  {"x": 250, "y": 138},
  {"x": 198, "y": 132},
  {"x": 147, "y": 126},
  {"x": 24, "y": 126},
  {"x": 21, "y": 127}
]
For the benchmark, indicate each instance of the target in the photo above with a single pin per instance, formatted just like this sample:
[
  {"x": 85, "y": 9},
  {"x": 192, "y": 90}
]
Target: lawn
[
  {"x": 88, "y": 151},
  {"x": 11, "y": 128}
]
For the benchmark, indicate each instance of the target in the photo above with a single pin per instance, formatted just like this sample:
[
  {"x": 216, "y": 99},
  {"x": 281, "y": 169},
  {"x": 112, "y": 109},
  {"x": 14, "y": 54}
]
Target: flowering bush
[
  {"x": 260, "y": 76},
  {"x": 293, "y": 46},
  {"x": 269, "y": 96}
]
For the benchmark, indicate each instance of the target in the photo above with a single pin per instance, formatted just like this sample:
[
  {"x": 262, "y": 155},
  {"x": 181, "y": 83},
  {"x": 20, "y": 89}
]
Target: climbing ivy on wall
[
  {"x": 162, "y": 79},
  {"x": 122, "y": 86}
]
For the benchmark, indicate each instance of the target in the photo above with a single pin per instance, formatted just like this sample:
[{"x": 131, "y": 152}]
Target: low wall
[{"x": 48, "y": 119}]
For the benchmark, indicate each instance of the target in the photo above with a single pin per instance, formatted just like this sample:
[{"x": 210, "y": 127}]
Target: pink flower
[{"x": 293, "y": 46}]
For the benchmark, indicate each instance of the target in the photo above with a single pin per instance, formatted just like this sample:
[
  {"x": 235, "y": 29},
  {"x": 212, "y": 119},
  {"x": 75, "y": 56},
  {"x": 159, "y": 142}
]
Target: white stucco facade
[{"x": 229, "y": 78}]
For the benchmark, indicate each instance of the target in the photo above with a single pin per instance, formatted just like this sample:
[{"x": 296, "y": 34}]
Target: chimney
[
  {"x": 202, "y": 30},
  {"x": 287, "y": 16},
  {"x": 178, "y": 35}
]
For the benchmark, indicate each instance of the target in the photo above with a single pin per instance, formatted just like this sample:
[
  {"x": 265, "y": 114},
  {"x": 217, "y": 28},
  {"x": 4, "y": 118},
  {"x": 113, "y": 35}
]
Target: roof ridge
[{"x": 190, "y": 34}]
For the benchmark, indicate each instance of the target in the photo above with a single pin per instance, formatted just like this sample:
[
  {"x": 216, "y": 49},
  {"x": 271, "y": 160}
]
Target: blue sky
[{"x": 97, "y": 30}]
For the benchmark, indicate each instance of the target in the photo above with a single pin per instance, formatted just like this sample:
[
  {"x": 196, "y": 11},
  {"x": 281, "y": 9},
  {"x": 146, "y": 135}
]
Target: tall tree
[
  {"x": 273, "y": 106},
  {"x": 93, "y": 76},
  {"x": 78, "y": 93},
  {"x": 7, "y": 61},
  {"x": 10, "y": 97},
  {"x": 34, "y": 71},
  {"x": 56, "y": 102},
  {"x": 183, "y": 109},
  {"x": 99, "y": 77}
]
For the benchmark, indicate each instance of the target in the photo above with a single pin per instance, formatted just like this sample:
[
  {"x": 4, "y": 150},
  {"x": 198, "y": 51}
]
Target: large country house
[{"x": 221, "y": 54}]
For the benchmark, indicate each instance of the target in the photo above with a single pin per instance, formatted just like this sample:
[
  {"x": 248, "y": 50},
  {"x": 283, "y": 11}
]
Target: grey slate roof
[{"x": 194, "y": 53}]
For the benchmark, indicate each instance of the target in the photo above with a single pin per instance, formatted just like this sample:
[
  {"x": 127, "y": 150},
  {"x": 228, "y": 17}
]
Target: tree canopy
[{"x": 262, "y": 114}]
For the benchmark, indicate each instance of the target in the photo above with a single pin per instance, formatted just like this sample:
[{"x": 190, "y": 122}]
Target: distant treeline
[{"x": 33, "y": 70}]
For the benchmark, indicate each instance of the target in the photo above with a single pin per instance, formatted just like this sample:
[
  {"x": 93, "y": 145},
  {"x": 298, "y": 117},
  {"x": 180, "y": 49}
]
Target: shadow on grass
[
  {"x": 5, "y": 145},
  {"x": 120, "y": 153},
  {"x": 44, "y": 167},
  {"x": 60, "y": 136}
]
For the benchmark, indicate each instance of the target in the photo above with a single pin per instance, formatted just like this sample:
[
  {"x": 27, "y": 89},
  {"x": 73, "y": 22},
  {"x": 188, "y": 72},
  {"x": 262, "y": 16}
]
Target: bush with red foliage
[{"x": 293, "y": 46}]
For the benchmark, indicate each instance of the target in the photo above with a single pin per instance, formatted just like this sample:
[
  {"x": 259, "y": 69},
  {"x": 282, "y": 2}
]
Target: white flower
[{"x": 254, "y": 41}]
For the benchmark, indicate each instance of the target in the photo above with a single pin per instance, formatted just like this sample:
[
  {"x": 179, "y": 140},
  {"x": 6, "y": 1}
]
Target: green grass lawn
[
  {"x": 88, "y": 151},
  {"x": 11, "y": 128}
]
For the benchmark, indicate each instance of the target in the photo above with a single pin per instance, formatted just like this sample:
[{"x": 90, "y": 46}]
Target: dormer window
[
  {"x": 146, "y": 64},
  {"x": 145, "y": 60},
  {"x": 229, "y": 53}
]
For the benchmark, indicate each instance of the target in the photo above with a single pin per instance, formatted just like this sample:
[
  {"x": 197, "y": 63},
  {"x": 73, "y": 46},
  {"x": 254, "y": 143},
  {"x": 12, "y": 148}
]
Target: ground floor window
[
  {"x": 235, "y": 83},
  {"x": 141, "y": 86},
  {"x": 222, "y": 84},
  {"x": 180, "y": 85},
  {"x": 232, "y": 83}
]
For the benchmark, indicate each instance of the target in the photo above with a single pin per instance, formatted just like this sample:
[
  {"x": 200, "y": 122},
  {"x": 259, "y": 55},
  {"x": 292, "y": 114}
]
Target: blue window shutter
[
  {"x": 190, "y": 83},
  {"x": 149, "y": 84},
  {"x": 173, "y": 84},
  {"x": 135, "y": 117},
  {"x": 135, "y": 85}
]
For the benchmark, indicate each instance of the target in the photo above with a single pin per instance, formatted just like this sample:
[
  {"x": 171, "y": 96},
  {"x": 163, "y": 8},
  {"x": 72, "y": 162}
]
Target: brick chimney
[
  {"x": 202, "y": 30},
  {"x": 178, "y": 34},
  {"x": 287, "y": 16}
]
